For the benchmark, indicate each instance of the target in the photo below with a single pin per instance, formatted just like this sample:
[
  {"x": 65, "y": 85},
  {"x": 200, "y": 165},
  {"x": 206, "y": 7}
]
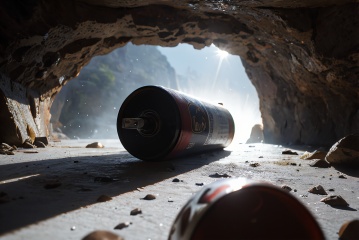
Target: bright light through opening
[
  {"x": 210, "y": 74},
  {"x": 222, "y": 54}
]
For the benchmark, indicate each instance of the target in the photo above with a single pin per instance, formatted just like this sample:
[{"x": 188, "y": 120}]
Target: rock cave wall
[{"x": 302, "y": 56}]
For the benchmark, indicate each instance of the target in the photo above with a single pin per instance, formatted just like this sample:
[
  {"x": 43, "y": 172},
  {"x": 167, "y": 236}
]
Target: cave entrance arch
[{"x": 87, "y": 106}]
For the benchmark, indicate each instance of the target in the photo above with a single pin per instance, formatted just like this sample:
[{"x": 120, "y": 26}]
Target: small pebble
[
  {"x": 318, "y": 190},
  {"x": 342, "y": 176},
  {"x": 123, "y": 225},
  {"x": 219, "y": 175},
  {"x": 260, "y": 157},
  {"x": 199, "y": 184},
  {"x": 149, "y": 197},
  {"x": 39, "y": 144},
  {"x": 170, "y": 200},
  {"x": 176, "y": 180},
  {"x": 286, "y": 187},
  {"x": 289, "y": 152},
  {"x": 103, "y": 198},
  {"x": 73, "y": 228},
  {"x": 254, "y": 164},
  {"x": 95, "y": 145},
  {"x": 331, "y": 189},
  {"x": 136, "y": 211},
  {"x": 293, "y": 164}
]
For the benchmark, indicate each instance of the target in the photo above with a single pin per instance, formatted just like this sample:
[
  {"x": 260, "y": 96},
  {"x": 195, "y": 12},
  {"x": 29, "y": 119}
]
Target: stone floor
[{"x": 51, "y": 193}]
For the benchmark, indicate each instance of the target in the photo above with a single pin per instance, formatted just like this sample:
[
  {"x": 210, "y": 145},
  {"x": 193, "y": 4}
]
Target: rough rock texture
[
  {"x": 302, "y": 56},
  {"x": 345, "y": 151}
]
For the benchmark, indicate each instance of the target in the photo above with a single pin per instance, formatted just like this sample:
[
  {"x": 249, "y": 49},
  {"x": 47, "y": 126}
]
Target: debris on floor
[
  {"x": 136, "y": 211},
  {"x": 220, "y": 175},
  {"x": 6, "y": 149},
  {"x": 286, "y": 187},
  {"x": 289, "y": 152},
  {"x": 123, "y": 225},
  {"x": 95, "y": 145},
  {"x": 254, "y": 164},
  {"x": 149, "y": 197},
  {"x": 335, "y": 201},
  {"x": 318, "y": 190},
  {"x": 102, "y": 235},
  {"x": 345, "y": 151}
]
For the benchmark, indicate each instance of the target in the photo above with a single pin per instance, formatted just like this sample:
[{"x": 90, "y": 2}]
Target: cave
[{"x": 302, "y": 57}]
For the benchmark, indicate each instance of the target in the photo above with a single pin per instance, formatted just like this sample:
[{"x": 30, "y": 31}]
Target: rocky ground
[{"x": 65, "y": 191}]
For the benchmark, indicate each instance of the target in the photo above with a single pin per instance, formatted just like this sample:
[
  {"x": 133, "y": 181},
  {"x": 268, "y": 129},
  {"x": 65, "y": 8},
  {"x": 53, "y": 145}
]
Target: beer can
[
  {"x": 156, "y": 123},
  {"x": 239, "y": 208}
]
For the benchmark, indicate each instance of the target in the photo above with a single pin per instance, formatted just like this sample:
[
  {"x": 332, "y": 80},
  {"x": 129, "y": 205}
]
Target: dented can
[{"x": 157, "y": 123}]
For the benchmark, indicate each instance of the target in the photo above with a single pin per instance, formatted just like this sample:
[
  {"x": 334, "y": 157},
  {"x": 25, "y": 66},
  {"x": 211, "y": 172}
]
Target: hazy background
[{"x": 87, "y": 106}]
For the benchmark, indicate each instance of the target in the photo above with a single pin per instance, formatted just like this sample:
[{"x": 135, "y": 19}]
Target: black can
[{"x": 156, "y": 123}]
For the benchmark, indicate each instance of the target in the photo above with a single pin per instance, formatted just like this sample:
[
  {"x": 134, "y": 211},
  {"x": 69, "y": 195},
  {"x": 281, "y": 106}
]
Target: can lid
[{"x": 149, "y": 123}]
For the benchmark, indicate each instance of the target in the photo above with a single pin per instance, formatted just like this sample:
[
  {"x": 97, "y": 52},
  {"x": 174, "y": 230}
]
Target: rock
[
  {"x": 220, "y": 175},
  {"x": 102, "y": 235},
  {"x": 199, "y": 184},
  {"x": 335, "y": 200},
  {"x": 256, "y": 134},
  {"x": 349, "y": 230},
  {"x": 314, "y": 155},
  {"x": 28, "y": 144},
  {"x": 254, "y": 164},
  {"x": 149, "y": 197},
  {"x": 345, "y": 151},
  {"x": 286, "y": 187},
  {"x": 44, "y": 140},
  {"x": 123, "y": 225},
  {"x": 39, "y": 144},
  {"x": 318, "y": 190},
  {"x": 342, "y": 176},
  {"x": 136, "y": 211},
  {"x": 6, "y": 149},
  {"x": 95, "y": 145},
  {"x": 320, "y": 163},
  {"x": 289, "y": 152},
  {"x": 104, "y": 198},
  {"x": 176, "y": 180}
]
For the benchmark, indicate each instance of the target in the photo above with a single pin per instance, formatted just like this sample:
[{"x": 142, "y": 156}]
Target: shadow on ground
[{"x": 51, "y": 187}]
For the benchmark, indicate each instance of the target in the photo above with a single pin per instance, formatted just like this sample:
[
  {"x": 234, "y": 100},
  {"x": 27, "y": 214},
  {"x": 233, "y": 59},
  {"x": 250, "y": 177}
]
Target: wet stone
[
  {"x": 102, "y": 235},
  {"x": 103, "y": 198},
  {"x": 349, "y": 230},
  {"x": 123, "y": 225},
  {"x": 95, "y": 145},
  {"x": 136, "y": 211},
  {"x": 335, "y": 200},
  {"x": 320, "y": 163},
  {"x": 318, "y": 190},
  {"x": 219, "y": 175},
  {"x": 289, "y": 152},
  {"x": 149, "y": 197}
]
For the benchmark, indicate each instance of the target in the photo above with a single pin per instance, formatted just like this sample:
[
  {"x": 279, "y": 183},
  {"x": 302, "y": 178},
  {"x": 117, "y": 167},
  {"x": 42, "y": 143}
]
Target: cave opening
[{"x": 87, "y": 106}]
